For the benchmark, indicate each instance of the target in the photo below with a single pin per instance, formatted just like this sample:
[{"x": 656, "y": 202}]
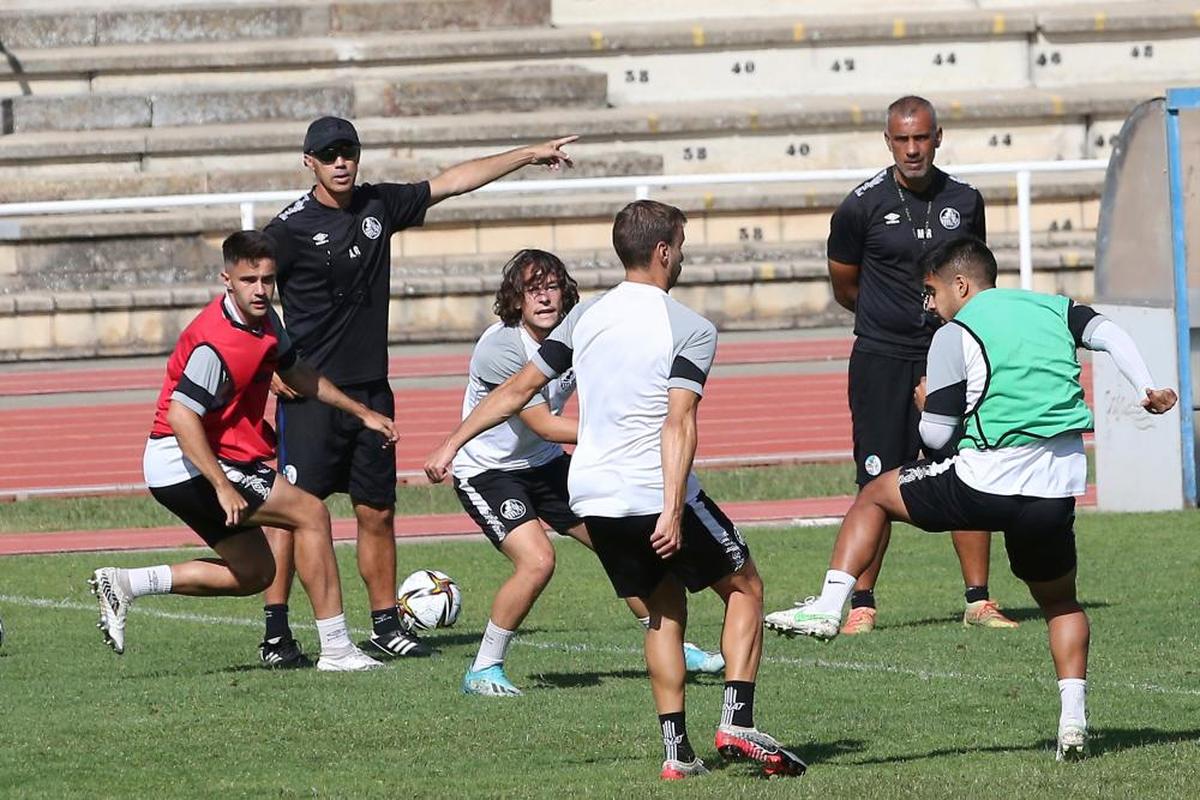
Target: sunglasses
[{"x": 328, "y": 155}]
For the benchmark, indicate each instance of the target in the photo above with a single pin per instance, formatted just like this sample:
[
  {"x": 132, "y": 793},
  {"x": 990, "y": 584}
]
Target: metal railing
[{"x": 642, "y": 185}]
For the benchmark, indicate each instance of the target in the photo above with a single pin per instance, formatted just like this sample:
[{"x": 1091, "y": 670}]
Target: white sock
[
  {"x": 645, "y": 622},
  {"x": 493, "y": 647},
  {"x": 1073, "y": 692},
  {"x": 333, "y": 633},
  {"x": 834, "y": 592},
  {"x": 146, "y": 580}
]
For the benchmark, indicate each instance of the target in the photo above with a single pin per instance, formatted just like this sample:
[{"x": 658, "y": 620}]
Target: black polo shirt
[
  {"x": 333, "y": 275},
  {"x": 879, "y": 227}
]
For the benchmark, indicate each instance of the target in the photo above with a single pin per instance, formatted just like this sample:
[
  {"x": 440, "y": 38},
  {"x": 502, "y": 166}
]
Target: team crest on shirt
[
  {"x": 950, "y": 218},
  {"x": 873, "y": 465},
  {"x": 372, "y": 228},
  {"x": 289, "y": 472},
  {"x": 512, "y": 509}
]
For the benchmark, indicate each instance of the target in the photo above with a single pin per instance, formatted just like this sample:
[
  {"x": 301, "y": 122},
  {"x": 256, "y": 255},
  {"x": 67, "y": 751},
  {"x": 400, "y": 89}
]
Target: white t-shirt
[
  {"x": 628, "y": 347},
  {"x": 499, "y": 354}
]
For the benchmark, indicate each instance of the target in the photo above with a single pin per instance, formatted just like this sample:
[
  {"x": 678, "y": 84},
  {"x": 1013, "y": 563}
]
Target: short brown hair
[
  {"x": 640, "y": 226},
  {"x": 247, "y": 246},
  {"x": 546, "y": 266}
]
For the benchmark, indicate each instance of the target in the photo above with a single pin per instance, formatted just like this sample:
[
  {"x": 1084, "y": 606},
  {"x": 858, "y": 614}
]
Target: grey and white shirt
[
  {"x": 499, "y": 354},
  {"x": 628, "y": 347}
]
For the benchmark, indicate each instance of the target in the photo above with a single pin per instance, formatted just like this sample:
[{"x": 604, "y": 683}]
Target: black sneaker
[
  {"x": 281, "y": 653},
  {"x": 397, "y": 644}
]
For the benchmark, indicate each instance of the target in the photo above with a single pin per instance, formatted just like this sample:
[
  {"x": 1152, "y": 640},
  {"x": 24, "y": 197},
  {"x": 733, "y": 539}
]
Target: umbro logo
[
  {"x": 321, "y": 239},
  {"x": 891, "y": 219}
]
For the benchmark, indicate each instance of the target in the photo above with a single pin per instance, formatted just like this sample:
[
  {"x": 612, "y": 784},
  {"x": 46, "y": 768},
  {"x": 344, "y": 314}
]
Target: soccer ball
[{"x": 428, "y": 599}]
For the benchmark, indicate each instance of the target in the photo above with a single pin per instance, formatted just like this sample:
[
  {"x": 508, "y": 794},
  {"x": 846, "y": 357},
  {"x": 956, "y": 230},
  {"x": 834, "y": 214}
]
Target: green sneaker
[{"x": 801, "y": 619}]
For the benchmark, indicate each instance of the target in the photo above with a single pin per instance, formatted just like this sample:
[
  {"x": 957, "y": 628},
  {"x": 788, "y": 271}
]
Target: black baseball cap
[{"x": 329, "y": 130}]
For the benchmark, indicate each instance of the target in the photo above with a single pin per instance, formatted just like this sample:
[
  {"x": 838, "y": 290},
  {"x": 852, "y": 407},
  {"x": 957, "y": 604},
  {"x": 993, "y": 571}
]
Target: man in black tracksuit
[{"x": 876, "y": 237}]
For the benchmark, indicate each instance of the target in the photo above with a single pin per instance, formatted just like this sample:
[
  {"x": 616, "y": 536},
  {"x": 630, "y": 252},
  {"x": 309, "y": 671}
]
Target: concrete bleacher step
[
  {"x": 796, "y": 134},
  {"x": 511, "y": 90},
  {"x": 747, "y": 286},
  {"x": 750, "y": 56},
  {"x": 75, "y": 24},
  {"x": 65, "y": 253},
  {"x": 81, "y": 184}
]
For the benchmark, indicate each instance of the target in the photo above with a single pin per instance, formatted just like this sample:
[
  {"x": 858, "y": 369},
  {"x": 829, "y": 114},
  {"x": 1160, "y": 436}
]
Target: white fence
[{"x": 642, "y": 186}]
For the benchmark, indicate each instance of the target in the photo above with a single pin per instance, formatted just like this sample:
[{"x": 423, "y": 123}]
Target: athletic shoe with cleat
[
  {"x": 734, "y": 742},
  {"x": 489, "y": 682},
  {"x": 1072, "y": 743},
  {"x": 697, "y": 660},
  {"x": 397, "y": 644},
  {"x": 282, "y": 653},
  {"x": 986, "y": 614},
  {"x": 348, "y": 659},
  {"x": 114, "y": 606},
  {"x": 860, "y": 620},
  {"x": 673, "y": 770},
  {"x": 801, "y": 619}
]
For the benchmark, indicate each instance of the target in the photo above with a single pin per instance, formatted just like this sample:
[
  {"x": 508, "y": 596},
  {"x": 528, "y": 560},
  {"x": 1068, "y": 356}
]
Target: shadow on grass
[
  {"x": 1102, "y": 741},
  {"x": 1022, "y": 614},
  {"x": 810, "y": 753},
  {"x": 576, "y": 680}
]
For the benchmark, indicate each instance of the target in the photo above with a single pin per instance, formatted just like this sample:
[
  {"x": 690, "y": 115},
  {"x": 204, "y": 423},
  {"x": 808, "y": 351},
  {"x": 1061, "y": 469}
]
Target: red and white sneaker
[
  {"x": 734, "y": 742},
  {"x": 673, "y": 770},
  {"x": 860, "y": 620}
]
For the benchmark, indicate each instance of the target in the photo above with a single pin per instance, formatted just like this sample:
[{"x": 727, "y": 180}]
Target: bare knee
[
  {"x": 538, "y": 568},
  {"x": 254, "y": 575}
]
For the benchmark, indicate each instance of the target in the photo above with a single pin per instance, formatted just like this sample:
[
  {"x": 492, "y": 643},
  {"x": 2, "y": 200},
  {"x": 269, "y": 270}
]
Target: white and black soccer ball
[{"x": 428, "y": 599}]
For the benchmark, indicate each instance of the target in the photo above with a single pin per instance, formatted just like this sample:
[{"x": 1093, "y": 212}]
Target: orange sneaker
[
  {"x": 860, "y": 620},
  {"x": 986, "y": 614}
]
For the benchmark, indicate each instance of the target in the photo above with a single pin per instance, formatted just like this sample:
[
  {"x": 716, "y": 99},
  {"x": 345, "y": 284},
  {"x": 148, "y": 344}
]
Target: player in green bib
[{"x": 1003, "y": 387}]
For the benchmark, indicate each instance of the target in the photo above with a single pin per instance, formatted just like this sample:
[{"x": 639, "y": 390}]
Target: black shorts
[
  {"x": 501, "y": 501},
  {"x": 712, "y": 548},
  {"x": 1039, "y": 532},
  {"x": 195, "y": 501},
  {"x": 882, "y": 413},
  {"x": 324, "y": 450}
]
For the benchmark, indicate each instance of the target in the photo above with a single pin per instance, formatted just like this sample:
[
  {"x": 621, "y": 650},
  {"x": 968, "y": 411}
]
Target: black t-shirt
[
  {"x": 876, "y": 227},
  {"x": 334, "y": 267}
]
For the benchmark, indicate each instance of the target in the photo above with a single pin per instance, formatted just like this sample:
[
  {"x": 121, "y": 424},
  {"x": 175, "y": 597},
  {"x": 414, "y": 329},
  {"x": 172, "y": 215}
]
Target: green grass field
[
  {"x": 920, "y": 708},
  {"x": 141, "y": 511}
]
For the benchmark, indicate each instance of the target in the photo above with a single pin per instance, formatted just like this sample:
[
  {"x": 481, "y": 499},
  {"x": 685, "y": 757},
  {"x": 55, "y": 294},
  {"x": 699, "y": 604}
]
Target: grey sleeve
[
  {"x": 946, "y": 377},
  {"x": 694, "y": 348},
  {"x": 498, "y": 357},
  {"x": 200, "y": 386}
]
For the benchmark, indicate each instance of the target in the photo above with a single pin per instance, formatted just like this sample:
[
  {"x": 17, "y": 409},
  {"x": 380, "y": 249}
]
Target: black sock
[
  {"x": 864, "y": 598},
  {"x": 277, "y": 621},
  {"x": 976, "y": 593},
  {"x": 385, "y": 621},
  {"x": 675, "y": 740},
  {"x": 738, "y": 707}
]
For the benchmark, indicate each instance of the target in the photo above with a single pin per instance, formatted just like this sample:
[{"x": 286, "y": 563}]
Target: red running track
[
  {"x": 743, "y": 419},
  {"x": 66, "y": 379}
]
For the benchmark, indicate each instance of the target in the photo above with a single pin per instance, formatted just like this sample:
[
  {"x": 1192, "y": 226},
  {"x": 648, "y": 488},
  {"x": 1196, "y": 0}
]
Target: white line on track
[{"x": 581, "y": 647}]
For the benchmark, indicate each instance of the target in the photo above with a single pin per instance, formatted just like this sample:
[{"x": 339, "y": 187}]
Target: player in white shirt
[
  {"x": 641, "y": 360},
  {"x": 514, "y": 475}
]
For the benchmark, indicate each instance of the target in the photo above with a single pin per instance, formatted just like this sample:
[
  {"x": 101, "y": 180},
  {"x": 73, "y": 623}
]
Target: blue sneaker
[
  {"x": 697, "y": 660},
  {"x": 489, "y": 682}
]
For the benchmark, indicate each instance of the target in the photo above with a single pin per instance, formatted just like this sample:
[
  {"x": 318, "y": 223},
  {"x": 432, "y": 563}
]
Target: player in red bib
[{"x": 205, "y": 461}]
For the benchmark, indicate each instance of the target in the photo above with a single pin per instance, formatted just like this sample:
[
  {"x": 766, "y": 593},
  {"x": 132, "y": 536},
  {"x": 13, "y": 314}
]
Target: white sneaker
[
  {"x": 675, "y": 770},
  {"x": 350, "y": 659},
  {"x": 801, "y": 619},
  {"x": 114, "y": 606},
  {"x": 1072, "y": 742}
]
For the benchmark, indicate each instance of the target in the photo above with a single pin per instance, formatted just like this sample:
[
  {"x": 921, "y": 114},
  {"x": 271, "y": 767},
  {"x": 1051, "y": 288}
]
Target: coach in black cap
[{"x": 333, "y": 251}]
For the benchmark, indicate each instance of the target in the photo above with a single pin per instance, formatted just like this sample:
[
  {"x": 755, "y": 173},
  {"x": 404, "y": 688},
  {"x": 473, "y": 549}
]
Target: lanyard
[{"x": 924, "y": 233}]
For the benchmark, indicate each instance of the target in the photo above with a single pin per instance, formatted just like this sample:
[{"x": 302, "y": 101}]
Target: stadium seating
[{"x": 212, "y": 97}]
